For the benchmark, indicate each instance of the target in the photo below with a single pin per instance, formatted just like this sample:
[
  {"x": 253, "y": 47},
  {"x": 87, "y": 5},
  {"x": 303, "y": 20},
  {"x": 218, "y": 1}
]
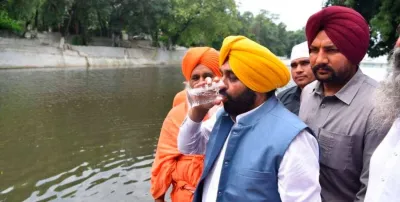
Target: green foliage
[
  {"x": 185, "y": 22},
  {"x": 77, "y": 40},
  {"x": 171, "y": 22},
  {"x": 294, "y": 38},
  {"x": 54, "y": 12},
  {"x": 6, "y": 23},
  {"x": 262, "y": 29},
  {"x": 199, "y": 22},
  {"x": 383, "y": 27}
]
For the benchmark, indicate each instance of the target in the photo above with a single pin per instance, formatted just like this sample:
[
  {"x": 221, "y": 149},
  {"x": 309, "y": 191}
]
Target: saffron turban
[
  {"x": 200, "y": 55},
  {"x": 345, "y": 27},
  {"x": 254, "y": 65}
]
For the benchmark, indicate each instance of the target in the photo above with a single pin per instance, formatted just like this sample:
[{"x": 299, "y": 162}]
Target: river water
[{"x": 79, "y": 134}]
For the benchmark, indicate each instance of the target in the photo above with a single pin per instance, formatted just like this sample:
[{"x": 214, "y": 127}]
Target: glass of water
[{"x": 203, "y": 95}]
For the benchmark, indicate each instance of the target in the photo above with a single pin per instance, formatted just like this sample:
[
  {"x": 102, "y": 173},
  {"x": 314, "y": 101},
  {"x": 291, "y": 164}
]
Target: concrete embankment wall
[{"x": 17, "y": 53}]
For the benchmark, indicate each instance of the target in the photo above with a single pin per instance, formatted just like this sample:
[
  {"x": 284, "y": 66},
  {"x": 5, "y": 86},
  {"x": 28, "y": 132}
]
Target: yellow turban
[{"x": 256, "y": 66}]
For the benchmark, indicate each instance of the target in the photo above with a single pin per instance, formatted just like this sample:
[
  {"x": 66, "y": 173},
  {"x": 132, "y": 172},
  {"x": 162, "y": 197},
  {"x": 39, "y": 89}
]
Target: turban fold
[
  {"x": 200, "y": 55},
  {"x": 255, "y": 66},
  {"x": 345, "y": 27}
]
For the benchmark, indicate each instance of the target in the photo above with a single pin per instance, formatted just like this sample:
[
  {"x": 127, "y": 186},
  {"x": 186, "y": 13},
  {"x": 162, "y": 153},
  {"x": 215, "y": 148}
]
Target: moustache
[
  {"x": 223, "y": 93},
  {"x": 322, "y": 67}
]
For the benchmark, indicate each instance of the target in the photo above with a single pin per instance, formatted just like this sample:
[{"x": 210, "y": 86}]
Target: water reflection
[
  {"x": 80, "y": 134},
  {"x": 112, "y": 179}
]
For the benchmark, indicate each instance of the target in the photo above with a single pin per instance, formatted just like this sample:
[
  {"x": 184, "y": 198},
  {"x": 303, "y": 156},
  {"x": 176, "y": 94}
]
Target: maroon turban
[{"x": 346, "y": 28}]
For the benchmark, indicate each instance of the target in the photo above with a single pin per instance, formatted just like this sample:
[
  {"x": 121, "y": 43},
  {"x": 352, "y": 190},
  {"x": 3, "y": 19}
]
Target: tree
[
  {"x": 263, "y": 29},
  {"x": 138, "y": 16},
  {"x": 54, "y": 13},
  {"x": 21, "y": 10},
  {"x": 294, "y": 38},
  {"x": 174, "y": 22},
  {"x": 196, "y": 22}
]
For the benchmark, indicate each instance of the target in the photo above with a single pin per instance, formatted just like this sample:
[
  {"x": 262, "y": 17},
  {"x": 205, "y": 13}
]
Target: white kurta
[{"x": 384, "y": 171}]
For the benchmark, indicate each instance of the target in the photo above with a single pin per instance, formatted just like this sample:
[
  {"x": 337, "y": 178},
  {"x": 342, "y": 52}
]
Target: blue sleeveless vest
[{"x": 253, "y": 155}]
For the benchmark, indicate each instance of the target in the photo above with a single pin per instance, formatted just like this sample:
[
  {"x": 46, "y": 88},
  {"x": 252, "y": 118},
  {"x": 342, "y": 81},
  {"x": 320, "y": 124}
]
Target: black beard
[
  {"x": 240, "y": 104},
  {"x": 333, "y": 78}
]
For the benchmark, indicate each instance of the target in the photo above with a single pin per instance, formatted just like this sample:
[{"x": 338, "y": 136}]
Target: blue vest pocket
[
  {"x": 250, "y": 185},
  {"x": 266, "y": 180}
]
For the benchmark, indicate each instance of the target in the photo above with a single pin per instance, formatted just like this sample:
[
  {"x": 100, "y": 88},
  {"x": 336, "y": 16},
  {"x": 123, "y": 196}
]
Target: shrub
[
  {"x": 77, "y": 40},
  {"x": 6, "y": 23}
]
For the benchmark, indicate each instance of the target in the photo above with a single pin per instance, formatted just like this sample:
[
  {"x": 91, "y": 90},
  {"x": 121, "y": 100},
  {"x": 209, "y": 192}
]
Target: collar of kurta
[{"x": 349, "y": 91}]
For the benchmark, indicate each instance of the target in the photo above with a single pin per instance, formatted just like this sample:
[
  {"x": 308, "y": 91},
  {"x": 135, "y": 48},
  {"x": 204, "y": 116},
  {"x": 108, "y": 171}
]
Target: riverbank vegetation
[
  {"x": 176, "y": 22},
  {"x": 167, "y": 22}
]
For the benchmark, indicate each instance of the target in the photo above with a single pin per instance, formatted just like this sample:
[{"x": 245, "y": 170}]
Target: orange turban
[
  {"x": 255, "y": 66},
  {"x": 200, "y": 55}
]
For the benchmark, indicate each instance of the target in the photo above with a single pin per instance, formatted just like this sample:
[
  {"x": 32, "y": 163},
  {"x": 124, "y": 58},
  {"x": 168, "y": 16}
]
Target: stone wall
[{"x": 16, "y": 53}]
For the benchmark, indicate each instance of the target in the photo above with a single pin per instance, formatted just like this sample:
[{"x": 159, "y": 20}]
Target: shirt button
[
  {"x": 323, "y": 106},
  {"x": 226, "y": 163},
  {"x": 395, "y": 154},
  {"x": 382, "y": 179},
  {"x": 219, "y": 193}
]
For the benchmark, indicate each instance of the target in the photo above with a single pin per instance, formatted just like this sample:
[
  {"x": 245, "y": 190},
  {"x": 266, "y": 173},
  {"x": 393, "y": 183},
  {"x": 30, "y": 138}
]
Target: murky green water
[{"x": 81, "y": 134}]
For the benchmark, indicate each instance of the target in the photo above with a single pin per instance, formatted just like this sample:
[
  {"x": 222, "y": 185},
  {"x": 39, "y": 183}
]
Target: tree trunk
[
  {"x": 103, "y": 28},
  {"x": 154, "y": 38},
  {"x": 37, "y": 18},
  {"x": 71, "y": 15}
]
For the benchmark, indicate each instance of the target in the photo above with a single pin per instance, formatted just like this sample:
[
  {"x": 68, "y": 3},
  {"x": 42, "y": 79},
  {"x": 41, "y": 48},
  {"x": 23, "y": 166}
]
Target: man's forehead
[
  {"x": 300, "y": 59},
  {"x": 321, "y": 40}
]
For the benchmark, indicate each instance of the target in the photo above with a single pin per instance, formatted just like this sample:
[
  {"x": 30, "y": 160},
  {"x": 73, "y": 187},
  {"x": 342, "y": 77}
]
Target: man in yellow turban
[{"x": 255, "y": 149}]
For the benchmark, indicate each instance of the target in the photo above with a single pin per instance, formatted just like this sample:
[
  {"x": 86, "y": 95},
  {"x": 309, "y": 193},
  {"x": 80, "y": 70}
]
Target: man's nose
[
  {"x": 397, "y": 43},
  {"x": 321, "y": 58},
  {"x": 299, "y": 69},
  {"x": 223, "y": 86}
]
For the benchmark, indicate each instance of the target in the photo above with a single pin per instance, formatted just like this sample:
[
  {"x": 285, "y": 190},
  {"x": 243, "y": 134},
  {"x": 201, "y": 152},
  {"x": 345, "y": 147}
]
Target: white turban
[{"x": 300, "y": 51}]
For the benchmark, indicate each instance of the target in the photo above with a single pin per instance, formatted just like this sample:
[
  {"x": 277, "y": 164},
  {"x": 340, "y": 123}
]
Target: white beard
[{"x": 387, "y": 96}]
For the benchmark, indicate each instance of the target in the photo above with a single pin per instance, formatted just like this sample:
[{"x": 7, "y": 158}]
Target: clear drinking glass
[{"x": 203, "y": 95}]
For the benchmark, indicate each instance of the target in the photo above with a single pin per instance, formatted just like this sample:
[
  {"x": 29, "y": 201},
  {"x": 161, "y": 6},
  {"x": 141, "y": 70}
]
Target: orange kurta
[
  {"x": 179, "y": 98},
  {"x": 172, "y": 167}
]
